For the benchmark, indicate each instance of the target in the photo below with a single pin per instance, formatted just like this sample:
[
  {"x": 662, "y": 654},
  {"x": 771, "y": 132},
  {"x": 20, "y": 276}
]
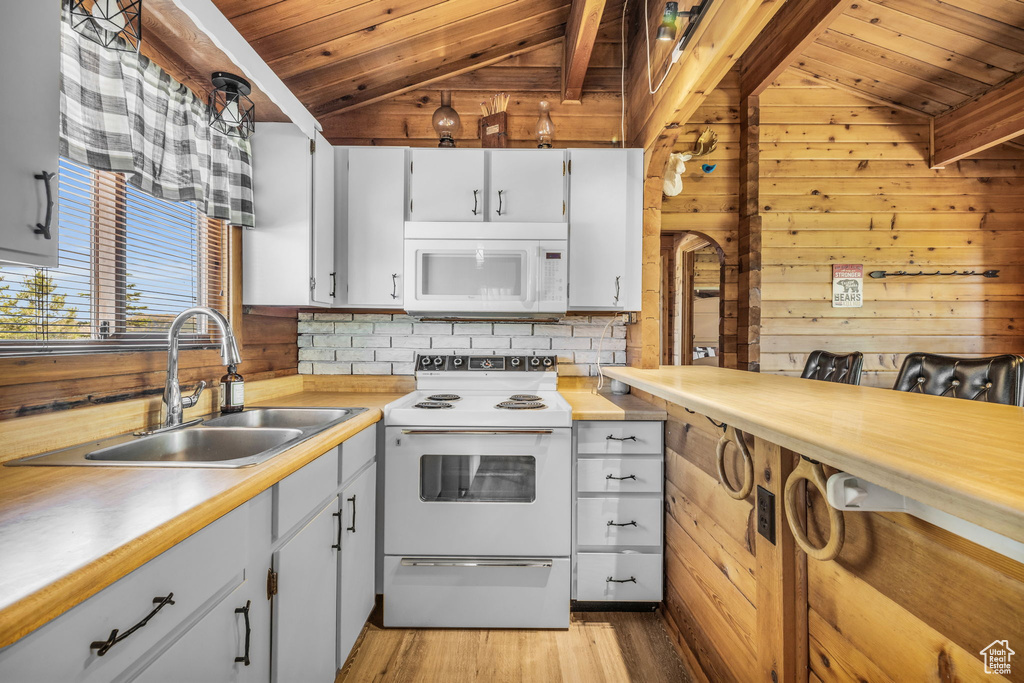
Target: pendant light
[
  {"x": 667, "y": 30},
  {"x": 231, "y": 110},
  {"x": 114, "y": 24},
  {"x": 446, "y": 121},
  {"x": 545, "y": 126}
]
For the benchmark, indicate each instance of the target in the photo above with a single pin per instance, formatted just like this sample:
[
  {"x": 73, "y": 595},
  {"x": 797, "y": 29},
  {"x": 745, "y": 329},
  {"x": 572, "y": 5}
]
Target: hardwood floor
[{"x": 610, "y": 647}]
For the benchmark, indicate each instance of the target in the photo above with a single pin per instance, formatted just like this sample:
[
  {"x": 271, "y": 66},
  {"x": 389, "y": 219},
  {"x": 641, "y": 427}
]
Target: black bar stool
[
  {"x": 831, "y": 367},
  {"x": 996, "y": 379}
]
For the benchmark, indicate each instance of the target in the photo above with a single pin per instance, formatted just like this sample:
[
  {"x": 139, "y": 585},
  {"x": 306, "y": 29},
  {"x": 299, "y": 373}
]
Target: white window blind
[{"x": 128, "y": 264}]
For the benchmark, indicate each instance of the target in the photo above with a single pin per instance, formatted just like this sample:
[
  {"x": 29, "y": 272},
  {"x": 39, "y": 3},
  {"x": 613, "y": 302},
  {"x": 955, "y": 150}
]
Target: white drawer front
[
  {"x": 356, "y": 451},
  {"x": 194, "y": 571},
  {"x": 619, "y": 436},
  {"x": 618, "y": 521},
  {"x": 476, "y": 596},
  {"x": 301, "y": 492},
  {"x": 614, "y": 475},
  {"x": 619, "y": 576}
]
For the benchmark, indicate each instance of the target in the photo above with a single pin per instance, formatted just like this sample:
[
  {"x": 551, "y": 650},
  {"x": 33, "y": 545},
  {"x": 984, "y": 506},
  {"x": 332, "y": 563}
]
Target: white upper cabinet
[
  {"x": 527, "y": 185},
  {"x": 605, "y": 228},
  {"x": 446, "y": 185},
  {"x": 29, "y": 111},
  {"x": 288, "y": 259},
  {"x": 370, "y": 216}
]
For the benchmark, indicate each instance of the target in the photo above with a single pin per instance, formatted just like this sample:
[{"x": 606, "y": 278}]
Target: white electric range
[{"x": 478, "y": 495}]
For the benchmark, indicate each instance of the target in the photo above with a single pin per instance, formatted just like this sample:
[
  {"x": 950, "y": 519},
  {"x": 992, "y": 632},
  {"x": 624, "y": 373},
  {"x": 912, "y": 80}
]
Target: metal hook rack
[{"x": 881, "y": 274}]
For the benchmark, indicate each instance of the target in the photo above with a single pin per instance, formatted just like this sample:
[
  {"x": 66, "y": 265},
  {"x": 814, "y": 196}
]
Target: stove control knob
[
  {"x": 547, "y": 362},
  {"x": 515, "y": 362},
  {"x": 438, "y": 361},
  {"x": 424, "y": 361},
  {"x": 457, "y": 361},
  {"x": 487, "y": 364},
  {"x": 535, "y": 362}
]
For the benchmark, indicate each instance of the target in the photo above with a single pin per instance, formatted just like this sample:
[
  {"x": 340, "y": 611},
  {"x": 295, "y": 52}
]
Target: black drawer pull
[
  {"x": 628, "y": 476},
  {"x": 631, "y": 579},
  {"x": 612, "y": 437},
  {"x": 103, "y": 646},
  {"x": 631, "y": 523},
  {"x": 248, "y": 632}
]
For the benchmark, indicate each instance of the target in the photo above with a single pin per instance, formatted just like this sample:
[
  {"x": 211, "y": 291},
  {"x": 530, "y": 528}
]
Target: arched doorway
[{"x": 695, "y": 286}]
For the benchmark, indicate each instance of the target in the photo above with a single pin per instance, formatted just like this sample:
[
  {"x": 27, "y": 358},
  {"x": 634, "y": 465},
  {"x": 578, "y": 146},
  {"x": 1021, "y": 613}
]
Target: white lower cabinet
[{"x": 358, "y": 555}]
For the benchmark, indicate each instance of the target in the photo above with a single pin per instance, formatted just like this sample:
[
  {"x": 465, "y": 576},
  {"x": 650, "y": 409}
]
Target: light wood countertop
[
  {"x": 962, "y": 457},
  {"x": 588, "y": 404},
  {"x": 68, "y": 532}
]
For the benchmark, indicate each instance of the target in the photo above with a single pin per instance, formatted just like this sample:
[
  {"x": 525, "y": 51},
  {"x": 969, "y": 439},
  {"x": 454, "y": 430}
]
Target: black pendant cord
[{"x": 879, "y": 274}]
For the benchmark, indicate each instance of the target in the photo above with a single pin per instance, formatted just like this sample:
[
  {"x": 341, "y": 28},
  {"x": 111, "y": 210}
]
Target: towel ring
[
  {"x": 735, "y": 436},
  {"x": 814, "y": 474}
]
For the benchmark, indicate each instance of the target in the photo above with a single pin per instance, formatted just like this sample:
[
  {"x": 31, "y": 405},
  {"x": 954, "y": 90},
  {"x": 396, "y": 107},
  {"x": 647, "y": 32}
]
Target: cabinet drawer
[
  {"x": 195, "y": 570},
  {"x": 597, "y": 520},
  {"x": 468, "y": 594},
  {"x": 356, "y": 451},
  {"x": 619, "y": 437},
  {"x": 619, "y": 475},
  {"x": 302, "y": 492},
  {"x": 618, "y": 576}
]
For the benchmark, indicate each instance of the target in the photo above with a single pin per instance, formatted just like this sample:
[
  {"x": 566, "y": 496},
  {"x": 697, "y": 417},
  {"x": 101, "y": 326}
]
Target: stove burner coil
[
  {"x": 445, "y": 398},
  {"x": 519, "y": 398},
  {"x": 520, "y": 405},
  {"x": 433, "y": 405}
]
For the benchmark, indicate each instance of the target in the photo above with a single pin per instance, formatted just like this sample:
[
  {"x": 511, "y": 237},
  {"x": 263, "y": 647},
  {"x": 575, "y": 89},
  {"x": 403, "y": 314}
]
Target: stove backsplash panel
[{"x": 386, "y": 344}]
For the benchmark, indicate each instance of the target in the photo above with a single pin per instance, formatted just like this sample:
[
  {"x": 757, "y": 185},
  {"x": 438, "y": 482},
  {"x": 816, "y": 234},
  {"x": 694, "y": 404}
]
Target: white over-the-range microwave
[{"x": 486, "y": 269}]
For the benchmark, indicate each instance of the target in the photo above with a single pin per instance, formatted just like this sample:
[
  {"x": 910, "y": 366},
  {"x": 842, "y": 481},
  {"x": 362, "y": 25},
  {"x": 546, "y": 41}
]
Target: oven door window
[
  {"x": 479, "y": 274},
  {"x": 478, "y": 478}
]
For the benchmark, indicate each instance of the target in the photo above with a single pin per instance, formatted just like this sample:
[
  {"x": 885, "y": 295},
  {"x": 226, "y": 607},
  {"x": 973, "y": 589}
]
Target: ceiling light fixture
[
  {"x": 231, "y": 110},
  {"x": 667, "y": 30},
  {"x": 114, "y": 24}
]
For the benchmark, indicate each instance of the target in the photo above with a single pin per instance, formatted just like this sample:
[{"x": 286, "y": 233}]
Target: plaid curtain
[{"x": 121, "y": 112}]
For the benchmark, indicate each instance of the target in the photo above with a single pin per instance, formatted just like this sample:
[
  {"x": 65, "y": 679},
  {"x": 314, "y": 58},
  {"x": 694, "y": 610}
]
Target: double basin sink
[{"x": 229, "y": 441}]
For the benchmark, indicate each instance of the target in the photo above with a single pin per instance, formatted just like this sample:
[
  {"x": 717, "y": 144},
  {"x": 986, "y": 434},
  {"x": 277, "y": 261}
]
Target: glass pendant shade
[
  {"x": 114, "y": 24},
  {"x": 545, "y": 126},
  {"x": 446, "y": 121},
  {"x": 667, "y": 30},
  {"x": 231, "y": 110}
]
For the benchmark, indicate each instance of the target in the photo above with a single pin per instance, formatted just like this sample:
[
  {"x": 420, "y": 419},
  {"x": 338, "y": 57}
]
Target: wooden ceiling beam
[
  {"x": 986, "y": 121},
  {"x": 787, "y": 35},
  {"x": 580, "y": 34}
]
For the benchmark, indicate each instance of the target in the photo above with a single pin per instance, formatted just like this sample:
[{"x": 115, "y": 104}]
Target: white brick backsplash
[
  {"x": 371, "y": 368},
  {"x": 385, "y": 344},
  {"x": 355, "y": 354},
  {"x": 395, "y": 355},
  {"x": 392, "y": 329},
  {"x": 371, "y": 342}
]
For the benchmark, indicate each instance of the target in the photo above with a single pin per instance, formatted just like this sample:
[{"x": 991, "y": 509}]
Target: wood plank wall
[
  {"x": 844, "y": 180},
  {"x": 404, "y": 120}
]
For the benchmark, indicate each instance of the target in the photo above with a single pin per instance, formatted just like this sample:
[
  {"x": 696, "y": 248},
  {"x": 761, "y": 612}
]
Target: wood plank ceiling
[{"x": 339, "y": 55}]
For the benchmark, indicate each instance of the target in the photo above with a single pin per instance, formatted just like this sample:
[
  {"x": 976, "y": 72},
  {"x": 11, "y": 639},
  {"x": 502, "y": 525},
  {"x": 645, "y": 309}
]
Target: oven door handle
[
  {"x": 477, "y": 431},
  {"x": 475, "y": 562}
]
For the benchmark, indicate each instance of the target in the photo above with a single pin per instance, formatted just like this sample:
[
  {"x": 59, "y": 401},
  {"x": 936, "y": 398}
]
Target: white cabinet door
[
  {"x": 306, "y": 604},
  {"x": 446, "y": 185},
  {"x": 527, "y": 185},
  {"x": 358, "y": 553},
  {"x": 29, "y": 110},
  {"x": 211, "y": 650},
  {"x": 605, "y": 228},
  {"x": 325, "y": 277},
  {"x": 371, "y": 225}
]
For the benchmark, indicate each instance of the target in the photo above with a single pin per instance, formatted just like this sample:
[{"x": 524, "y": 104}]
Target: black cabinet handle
[
  {"x": 248, "y": 632},
  {"x": 476, "y": 201},
  {"x": 394, "y": 285},
  {"x": 500, "y": 193},
  {"x": 44, "y": 228},
  {"x": 611, "y": 523},
  {"x": 337, "y": 546},
  {"x": 631, "y": 579},
  {"x": 103, "y": 646},
  {"x": 353, "y": 527},
  {"x": 334, "y": 284},
  {"x": 612, "y": 437},
  {"x": 617, "y": 279},
  {"x": 628, "y": 476}
]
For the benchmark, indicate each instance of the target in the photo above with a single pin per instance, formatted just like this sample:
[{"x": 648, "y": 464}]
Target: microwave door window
[
  {"x": 478, "y": 478},
  {"x": 473, "y": 274}
]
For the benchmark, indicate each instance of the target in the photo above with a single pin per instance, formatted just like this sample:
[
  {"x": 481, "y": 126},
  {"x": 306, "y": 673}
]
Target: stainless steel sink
[
  {"x": 196, "y": 445},
  {"x": 231, "y": 441},
  {"x": 286, "y": 418}
]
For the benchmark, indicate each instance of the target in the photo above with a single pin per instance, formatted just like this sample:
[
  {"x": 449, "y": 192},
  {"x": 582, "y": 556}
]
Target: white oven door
[{"x": 477, "y": 492}]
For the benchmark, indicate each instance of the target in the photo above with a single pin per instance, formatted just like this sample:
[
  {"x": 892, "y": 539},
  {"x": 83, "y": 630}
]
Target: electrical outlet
[{"x": 766, "y": 514}]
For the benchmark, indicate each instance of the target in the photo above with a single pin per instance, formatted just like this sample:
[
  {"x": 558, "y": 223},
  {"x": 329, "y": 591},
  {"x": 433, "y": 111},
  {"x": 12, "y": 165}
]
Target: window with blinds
[{"x": 128, "y": 264}]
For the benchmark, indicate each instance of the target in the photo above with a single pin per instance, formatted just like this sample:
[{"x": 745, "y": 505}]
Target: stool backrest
[
  {"x": 996, "y": 379},
  {"x": 831, "y": 367}
]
